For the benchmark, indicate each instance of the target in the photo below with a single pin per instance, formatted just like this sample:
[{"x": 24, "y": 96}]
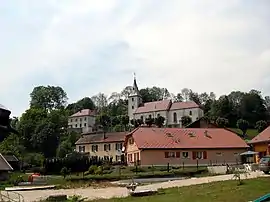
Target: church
[{"x": 171, "y": 111}]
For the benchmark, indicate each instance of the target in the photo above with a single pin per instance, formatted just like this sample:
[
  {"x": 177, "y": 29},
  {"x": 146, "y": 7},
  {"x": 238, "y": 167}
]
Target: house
[
  {"x": 5, "y": 168},
  {"x": 83, "y": 121},
  {"x": 171, "y": 111},
  {"x": 178, "y": 146},
  {"x": 202, "y": 123},
  {"x": 261, "y": 143},
  {"x": 103, "y": 145}
]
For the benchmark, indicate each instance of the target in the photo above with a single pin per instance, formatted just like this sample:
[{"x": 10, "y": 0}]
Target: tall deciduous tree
[
  {"x": 100, "y": 101},
  {"x": 48, "y": 97},
  {"x": 243, "y": 126},
  {"x": 261, "y": 125},
  {"x": 222, "y": 122},
  {"x": 159, "y": 121}
]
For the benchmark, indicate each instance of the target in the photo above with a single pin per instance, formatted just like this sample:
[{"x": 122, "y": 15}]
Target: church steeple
[{"x": 135, "y": 86}]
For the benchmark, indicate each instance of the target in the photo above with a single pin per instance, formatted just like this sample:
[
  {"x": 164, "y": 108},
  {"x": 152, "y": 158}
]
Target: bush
[
  {"x": 92, "y": 169},
  {"x": 99, "y": 170},
  {"x": 138, "y": 170}
]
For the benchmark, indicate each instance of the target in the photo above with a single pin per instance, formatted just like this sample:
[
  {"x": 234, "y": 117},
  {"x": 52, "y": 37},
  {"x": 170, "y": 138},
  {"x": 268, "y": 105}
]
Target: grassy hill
[{"x": 251, "y": 133}]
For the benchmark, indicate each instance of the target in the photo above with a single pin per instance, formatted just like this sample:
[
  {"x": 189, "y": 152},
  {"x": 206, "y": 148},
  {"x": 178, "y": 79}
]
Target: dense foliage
[{"x": 43, "y": 126}]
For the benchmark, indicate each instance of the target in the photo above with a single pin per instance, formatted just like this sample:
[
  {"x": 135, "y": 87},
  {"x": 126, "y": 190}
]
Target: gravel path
[{"x": 110, "y": 192}]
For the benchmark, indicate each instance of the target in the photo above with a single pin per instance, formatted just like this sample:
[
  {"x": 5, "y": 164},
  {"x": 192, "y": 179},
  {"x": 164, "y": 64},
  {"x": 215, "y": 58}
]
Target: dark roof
[
  {"x": 166, "y": 138},
  {"x": 84, "y": 112},
  {"x": 10, "y": 158},
  {"x": 264, "y": 136},
  {"x": 99, "y": 138},
  {"x": 4, "y": 165}
]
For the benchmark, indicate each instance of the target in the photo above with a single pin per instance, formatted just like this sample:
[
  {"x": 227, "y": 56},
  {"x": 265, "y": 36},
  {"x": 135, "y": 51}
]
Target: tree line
[{"x": 43, "y": 126}]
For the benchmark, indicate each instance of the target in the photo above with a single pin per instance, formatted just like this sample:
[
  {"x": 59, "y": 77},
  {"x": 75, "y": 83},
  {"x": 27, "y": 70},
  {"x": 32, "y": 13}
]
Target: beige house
[
  {"x": 178, "y": 146},
  {"x": 103, "y": 145},
  {"x": 171, "y": 111},
  {"x": 83, "y": 121}
]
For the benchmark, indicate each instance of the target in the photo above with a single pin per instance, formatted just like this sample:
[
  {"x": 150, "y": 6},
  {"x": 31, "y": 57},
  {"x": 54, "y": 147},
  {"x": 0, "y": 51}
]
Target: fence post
[
  {"x": 197, "y": 164},
  {"x": 168, "y": 167},
  {"x": 183, "y": 165}
]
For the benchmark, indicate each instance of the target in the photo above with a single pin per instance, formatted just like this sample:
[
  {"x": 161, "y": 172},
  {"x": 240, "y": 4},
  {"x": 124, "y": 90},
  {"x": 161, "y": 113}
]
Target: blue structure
[{"x": 264, "y": 198}]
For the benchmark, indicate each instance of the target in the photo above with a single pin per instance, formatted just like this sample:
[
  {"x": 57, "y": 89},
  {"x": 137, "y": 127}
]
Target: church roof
[
  {"x": 162, "y": 105},
  {"x": 184, "y": 105}
]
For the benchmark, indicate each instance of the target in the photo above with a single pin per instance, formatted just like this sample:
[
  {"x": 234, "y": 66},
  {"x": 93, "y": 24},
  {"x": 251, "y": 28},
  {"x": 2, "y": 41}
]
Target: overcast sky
[{"x": 88, "y": 46}]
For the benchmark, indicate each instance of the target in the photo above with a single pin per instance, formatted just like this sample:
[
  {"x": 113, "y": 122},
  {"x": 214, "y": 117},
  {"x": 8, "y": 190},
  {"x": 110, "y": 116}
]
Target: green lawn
[
  {"x": 251, "y": 133},
  {"x": 227, "y": 191}
]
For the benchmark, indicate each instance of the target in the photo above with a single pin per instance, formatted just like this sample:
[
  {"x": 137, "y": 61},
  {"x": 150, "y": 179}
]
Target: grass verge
[{"x": 226, "y": 191}]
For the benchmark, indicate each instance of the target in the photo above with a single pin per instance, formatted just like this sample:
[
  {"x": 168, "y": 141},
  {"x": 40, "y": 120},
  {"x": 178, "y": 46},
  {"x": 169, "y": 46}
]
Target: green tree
[
  {"x": 64, "y": 148},
  {"x": 222, "y": 122},
  {"x": 154, "y": 94},
  {"x": 261, "y": 125},
  {"x": 12, "y": 145},
  {"x": 186, "y": 120},
  {"x": 252, "y": 107},
  {"x": 159, "y": 121},
  {"x": 46, "y": 138},
  {"x": 149, "y": 121},
  {"x": 104, "y": 120},
  {"x": 85, "y": 103},
  {"x": 178, "y": 98},
  {"x": 243, "y": 126},
  {"x": 48, "y": 97},
  {"x": 125, "y": 121},
  {"x": 100, "y": 100}
]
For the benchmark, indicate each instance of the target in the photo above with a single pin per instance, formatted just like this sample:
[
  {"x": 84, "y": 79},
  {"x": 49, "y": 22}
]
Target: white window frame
[
  {"x": 185, "y": 157},
  {"x": 199, "y": 156}
]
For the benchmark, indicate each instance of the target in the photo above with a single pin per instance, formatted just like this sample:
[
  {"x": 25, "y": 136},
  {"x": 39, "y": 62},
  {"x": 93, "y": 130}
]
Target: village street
[{"x": 110, "y": 192}]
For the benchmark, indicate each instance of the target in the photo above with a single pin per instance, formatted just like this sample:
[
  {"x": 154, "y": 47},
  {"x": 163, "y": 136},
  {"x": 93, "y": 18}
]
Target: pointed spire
[{"x": 135, "y": 86}]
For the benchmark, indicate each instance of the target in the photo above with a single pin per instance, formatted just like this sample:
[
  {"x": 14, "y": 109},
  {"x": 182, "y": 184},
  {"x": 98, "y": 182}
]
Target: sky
[{"x": 92, "y": 46}]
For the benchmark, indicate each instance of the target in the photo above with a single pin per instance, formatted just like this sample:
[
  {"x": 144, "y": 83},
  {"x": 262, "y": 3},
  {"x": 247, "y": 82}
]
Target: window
[
  {"x": 106, "y": 158},
  {"x": 150, "y": 116},
  {"x": 185, "y": 155},
  {"x": 132, "y": 107},
  {"x": 118, "y": 146},
  {"x": 107, "y": 147},
  {"x": 190, "y": 113},
  {"x": 75, "y": 120},
  {"x": 82, "y": 149},
  {"x": 129, "y": 157},
  {"x": 85, "y": 118},
  {"x": 172, "y": 154},
  {"x": 142, "y": 118},
  {"x": 75, "y": 125},
  {"x": 80, "y": 119},
  {"x": 71, "y": 120},
  {"x": 85, "y": 124},
  {"x": 174, "y": 117},
  {"x": 131, "y": 140},
  {"x": 80, "y": 125},
  {"x": 94, "y": 148},
  {"x": 219, "y": 154},
  {"x": 199, "y": 155},
  {"x": 118, "y": 158},
  {"x": 132, "y": 99}
]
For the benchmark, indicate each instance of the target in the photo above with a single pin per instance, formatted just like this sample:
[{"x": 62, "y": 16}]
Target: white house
[
  {"x": 171, "y": 111},
  {"x": 83, "y": 121}
]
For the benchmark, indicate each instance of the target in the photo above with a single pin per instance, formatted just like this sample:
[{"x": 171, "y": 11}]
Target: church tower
[{"x": 134, "y": 100}]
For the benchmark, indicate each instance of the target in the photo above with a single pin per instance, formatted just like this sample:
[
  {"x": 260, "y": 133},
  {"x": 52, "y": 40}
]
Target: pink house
[{"x": 188, "y": 146}]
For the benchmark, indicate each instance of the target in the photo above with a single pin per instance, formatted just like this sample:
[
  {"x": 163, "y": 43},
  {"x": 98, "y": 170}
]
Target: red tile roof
[
  {"x": 184, "y": 105},
  {"x": 99, "y": 138},
  {"x": 264, "y": 136},
  {"x": 154, "y": 106},
  {"x": 84, "y": 112},
  {"x": 169, "y": 138}
]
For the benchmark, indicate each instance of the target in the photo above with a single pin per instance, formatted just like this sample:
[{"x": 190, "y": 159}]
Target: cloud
[{"x": 92, "y": 46}]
